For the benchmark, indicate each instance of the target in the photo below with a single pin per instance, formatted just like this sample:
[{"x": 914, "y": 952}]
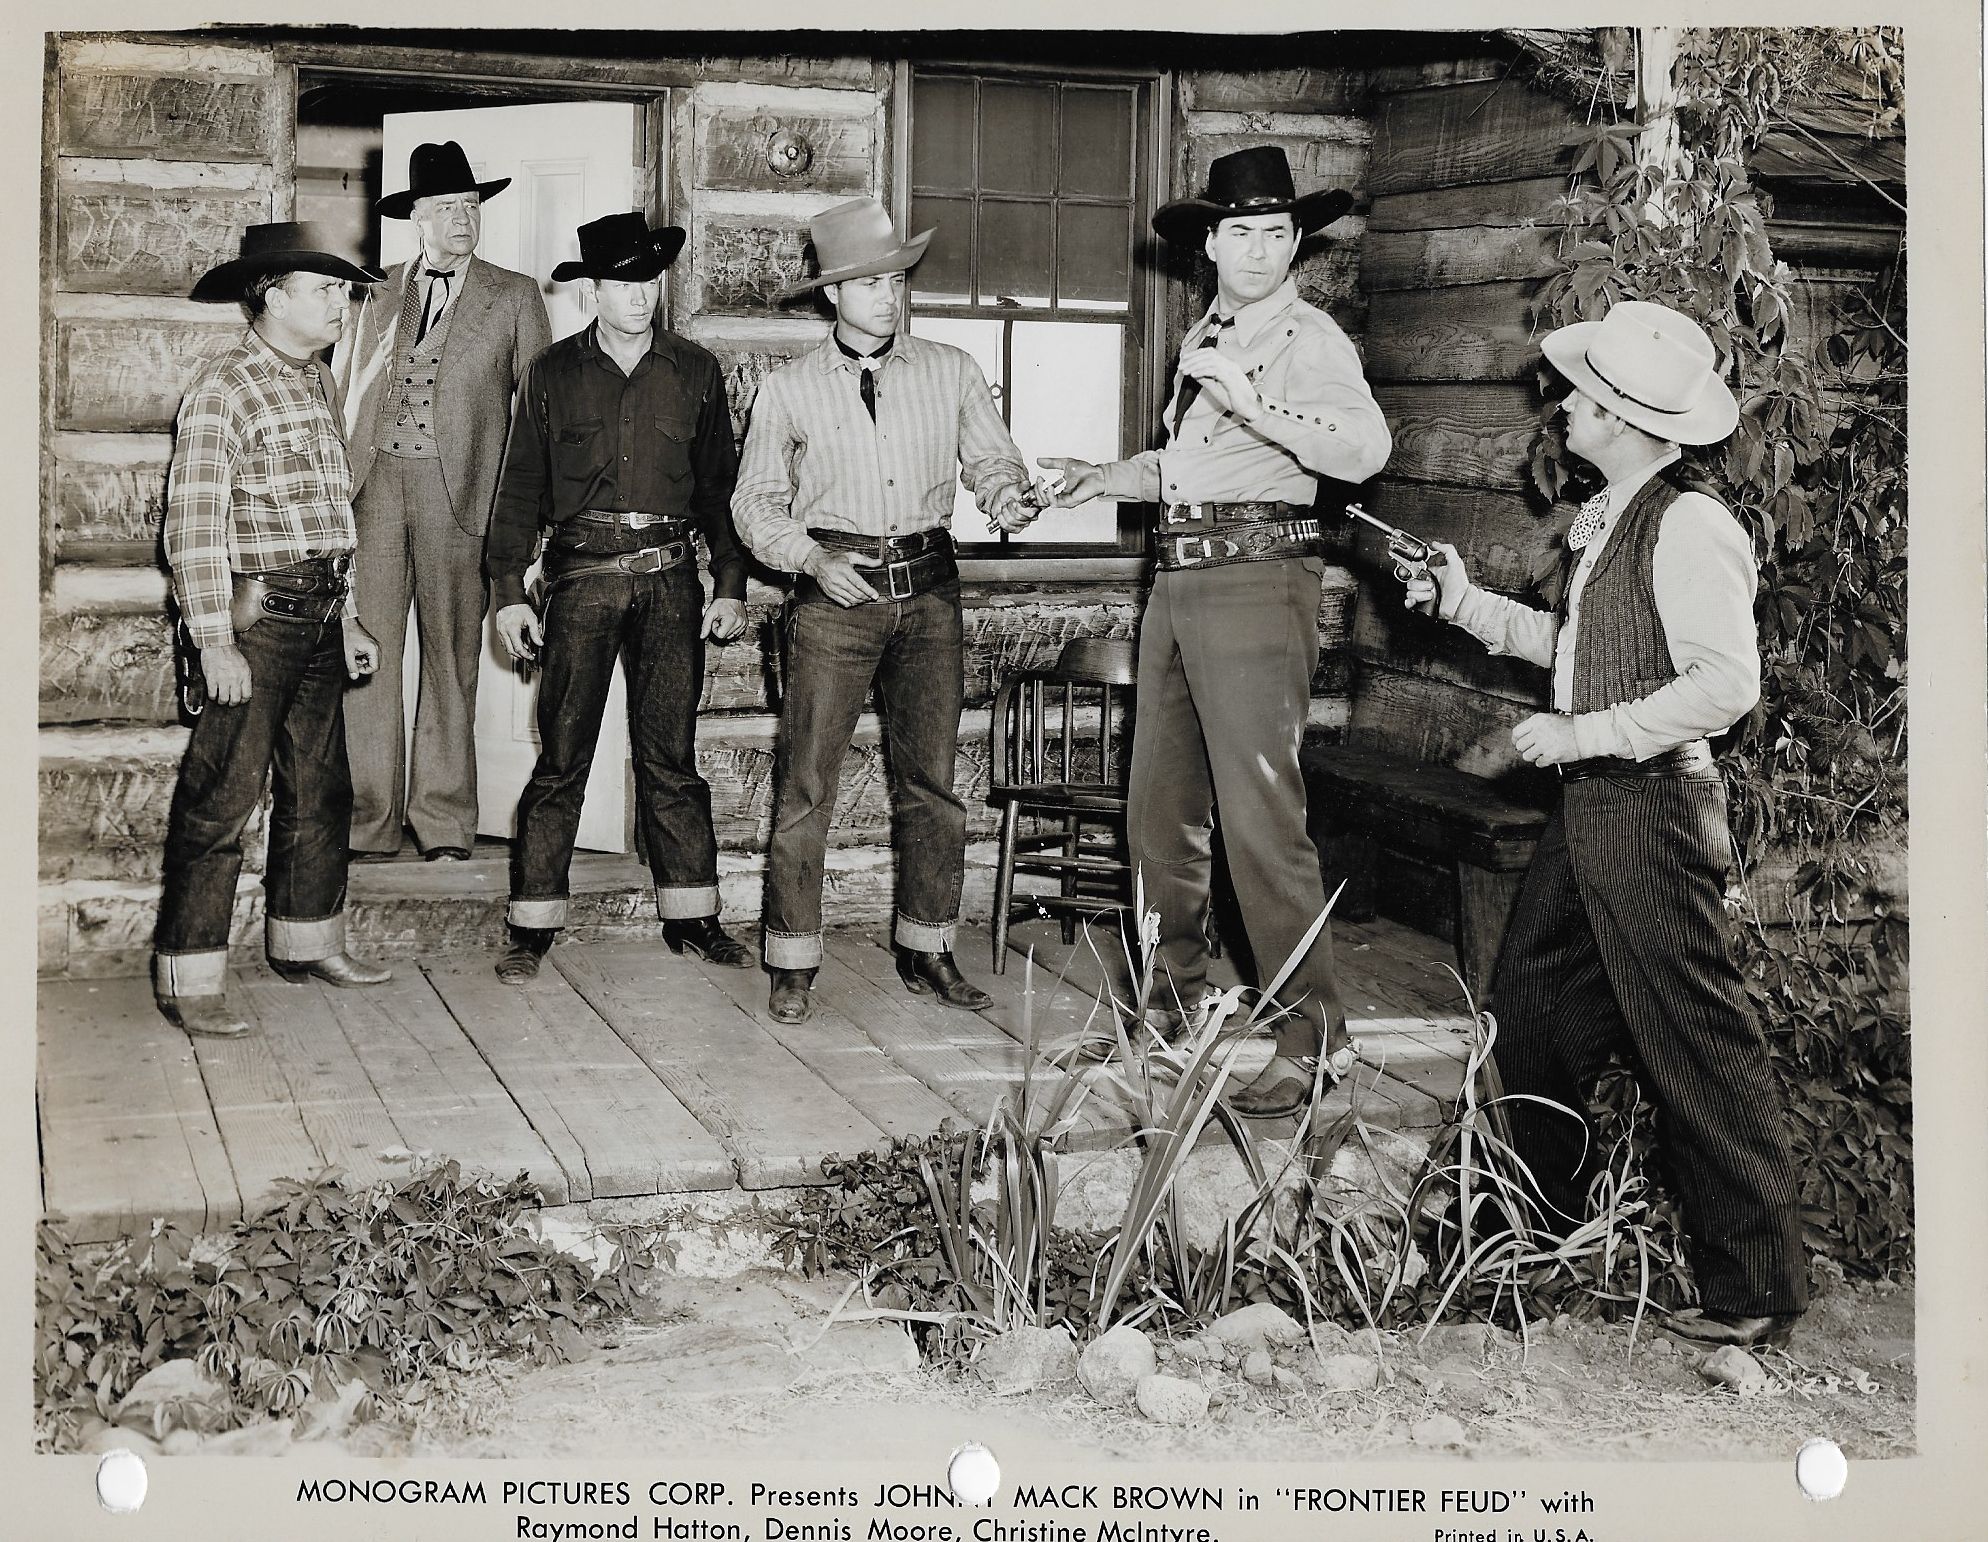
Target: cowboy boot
[
  {"x": 791, "y": 1000},
  {"x": 339, "y": 969},
  {"x": 527, "y": 950},
  {"x": 935, "y": 974},
  {"x": 706, "y": 939},
  {"x": 1284, "y": 1088}
]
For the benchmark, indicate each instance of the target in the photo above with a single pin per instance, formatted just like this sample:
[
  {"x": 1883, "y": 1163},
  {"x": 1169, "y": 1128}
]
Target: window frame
[{"x": 1141, "y": 382}]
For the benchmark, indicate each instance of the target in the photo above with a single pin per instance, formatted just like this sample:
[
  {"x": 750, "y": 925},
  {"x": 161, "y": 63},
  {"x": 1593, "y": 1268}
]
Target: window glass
[
  {"x": 1097, "y": 142},
  {"x": 945, "y": 273},
  {"x": 942, "y": 148},
  {"x": 1016, "y": 263},
  {"x": 1018, "y": 138},
  {"x": 1094, "y": 255}
]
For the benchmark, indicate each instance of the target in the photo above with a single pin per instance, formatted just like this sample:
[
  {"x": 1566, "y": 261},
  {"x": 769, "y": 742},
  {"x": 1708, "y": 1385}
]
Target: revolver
[{"x": 1412, "y": 556}]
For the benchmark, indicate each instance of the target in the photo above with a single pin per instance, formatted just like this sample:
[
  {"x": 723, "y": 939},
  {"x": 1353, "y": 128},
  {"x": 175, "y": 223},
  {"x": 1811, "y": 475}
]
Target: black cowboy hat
[
  {"x": 435, "y": 170},
  {"x": 281, "y": 248},
  {"x": 1253, "y": 181},
  {"x": 622, "y": 247}
]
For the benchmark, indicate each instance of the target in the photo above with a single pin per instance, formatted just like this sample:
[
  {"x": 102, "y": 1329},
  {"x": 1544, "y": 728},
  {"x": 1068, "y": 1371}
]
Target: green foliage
[
  {"x": 397, "y": 1285},
  {"x": 1816, "y": 472}
]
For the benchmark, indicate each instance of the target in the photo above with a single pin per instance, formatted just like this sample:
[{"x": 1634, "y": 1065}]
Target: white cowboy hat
[{"x": 1651, "y": 366}]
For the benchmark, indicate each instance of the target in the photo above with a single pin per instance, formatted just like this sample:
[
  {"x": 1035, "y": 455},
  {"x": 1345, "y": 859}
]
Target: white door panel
[{"x": 569, "y": 162}]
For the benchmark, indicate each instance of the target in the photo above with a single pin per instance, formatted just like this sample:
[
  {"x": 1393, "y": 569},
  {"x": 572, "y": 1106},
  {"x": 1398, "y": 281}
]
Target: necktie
[
  {"x": 1190, "y": 388},
  {"x": 866, "y": 375},
  {"x": 437, "y": 301},
  {"x": 1587, "y": 523}
]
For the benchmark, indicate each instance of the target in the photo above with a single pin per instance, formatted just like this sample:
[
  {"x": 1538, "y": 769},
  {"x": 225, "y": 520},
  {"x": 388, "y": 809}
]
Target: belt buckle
[
  {"x": 648, "y": 560},
  {"x": 891, "y": 574},
  {"x": 1182, "y": 545}
]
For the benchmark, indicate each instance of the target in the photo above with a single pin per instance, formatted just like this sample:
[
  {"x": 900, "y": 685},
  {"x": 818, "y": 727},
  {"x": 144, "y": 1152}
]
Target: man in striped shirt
[
  {"x": 259, "y": 536},
  {"x": 847, "y": 480}
]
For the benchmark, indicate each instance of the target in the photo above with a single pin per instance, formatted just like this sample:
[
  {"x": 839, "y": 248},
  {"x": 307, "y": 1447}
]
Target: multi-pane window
[{"x": 1036, "y": 187}]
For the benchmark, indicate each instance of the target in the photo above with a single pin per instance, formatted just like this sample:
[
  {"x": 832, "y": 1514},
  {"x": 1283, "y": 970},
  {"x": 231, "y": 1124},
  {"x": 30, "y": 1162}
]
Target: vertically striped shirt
[
  {"x": 258, "y": 480},
  {"x": 813, "y": 457}
]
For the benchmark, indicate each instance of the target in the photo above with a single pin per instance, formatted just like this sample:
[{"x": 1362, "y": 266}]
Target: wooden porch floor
[{"x": 622, "y": 1071}]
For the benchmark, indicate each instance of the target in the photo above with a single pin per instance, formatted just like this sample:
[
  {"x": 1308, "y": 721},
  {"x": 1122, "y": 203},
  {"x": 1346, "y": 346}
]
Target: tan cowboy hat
[
  {"x": 1247, "y": 182},
  {"x": 1651, "y": 366},
  {"x": 857, "y": 239},
  {"x": 286, "y": 247}
]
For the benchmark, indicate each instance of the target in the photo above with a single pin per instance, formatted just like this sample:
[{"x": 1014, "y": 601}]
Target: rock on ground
[
  {"x": 1169, "y": 1400},
  {"x": 1448, "y": 1340},
  {"x": 1731, "y": 1366},
  {"x": 1258, "y": 1370},
  {"x": 1024, "y": 1358},
  {"x": 1348, "y": 1373},
  {"x": 1256, "y": 1326},
  {"x": 1114, "y": 1364},
  {"x": 177, "y": 1394},
  {"x": 1437, "y": 1432}
]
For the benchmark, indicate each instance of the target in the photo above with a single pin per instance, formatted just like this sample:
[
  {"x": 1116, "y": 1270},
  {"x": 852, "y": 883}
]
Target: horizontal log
[
  {"x": 836, "y": 71},
  {"x": 106, "y": 818},
  {"x": 130, "y": 373},
  {"x": 1796, "y": 155},
  {"x": 128, "y": 240},
  {"x": 1474, "y": 332},
  {"x": 1433, "y": 259},
  {"x": 110, "y": 924},
  {"x": 745, "y": 365},
  {"x": 1385, "y": 632},
  {"x": 1312, "y": 89},
  {"x": 101, "y": 500},
  {"x": 1835, "y": 246},
  {"x": 1469, "y": 435},
  {"x": 106, "y": 666},
  {"x": 1435, "y": 722},
  {"x": 1316, "y": 162},
  {"x": 1489, "y": 132},
  {"x": 775, "y": 151},
  {"x": 104, "y": 52},
  {"x": 745, "y": 266},
  {"x": 172, "y": 117},
  {"x": 1479, "y": 205},
  {"x": 1406, "y": 75}
]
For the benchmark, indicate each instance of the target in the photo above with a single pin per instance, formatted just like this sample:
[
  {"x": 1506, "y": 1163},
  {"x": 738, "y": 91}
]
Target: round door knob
[{"x": 789, "y": 154}]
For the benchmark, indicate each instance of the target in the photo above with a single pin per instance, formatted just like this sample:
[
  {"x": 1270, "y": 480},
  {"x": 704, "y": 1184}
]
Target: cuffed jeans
[
  {"x": 292, "y": 724},
  {"x": 1225, "y": 665},
  {"x": 652, "y": 622},
  {"x": 912, "y": 649}
]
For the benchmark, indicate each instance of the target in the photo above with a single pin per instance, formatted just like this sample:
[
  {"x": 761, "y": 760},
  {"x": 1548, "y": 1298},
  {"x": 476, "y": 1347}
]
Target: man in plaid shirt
[{"x": 259, "y": 536}]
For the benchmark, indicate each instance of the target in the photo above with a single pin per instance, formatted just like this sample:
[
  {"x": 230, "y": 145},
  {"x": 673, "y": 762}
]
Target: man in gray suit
[{"x": 427, "y": 370}]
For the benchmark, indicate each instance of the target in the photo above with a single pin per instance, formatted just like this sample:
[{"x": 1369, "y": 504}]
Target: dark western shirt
[{"x": 586, "y": 436}]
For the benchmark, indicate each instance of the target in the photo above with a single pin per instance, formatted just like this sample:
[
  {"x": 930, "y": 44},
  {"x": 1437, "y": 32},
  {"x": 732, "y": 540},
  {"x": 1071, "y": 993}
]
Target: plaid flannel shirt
[{"x": 259, "y": 480}]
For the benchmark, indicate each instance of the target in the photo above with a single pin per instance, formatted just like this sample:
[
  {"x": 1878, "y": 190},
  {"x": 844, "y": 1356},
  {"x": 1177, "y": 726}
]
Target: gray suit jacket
[{"x": 499, "y": 327}]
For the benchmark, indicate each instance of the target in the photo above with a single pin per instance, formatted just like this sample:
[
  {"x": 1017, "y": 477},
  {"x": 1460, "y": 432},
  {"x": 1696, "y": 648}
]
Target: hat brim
[
  {"x": 400, "y": 206},
  {"x": 897, "y": 261},
  {"x": 1188, "y": 219},
  {"x": 229, "y": 280},
  {"x": 636, "y": 268},
  {"x": 1711, "y": 418}
]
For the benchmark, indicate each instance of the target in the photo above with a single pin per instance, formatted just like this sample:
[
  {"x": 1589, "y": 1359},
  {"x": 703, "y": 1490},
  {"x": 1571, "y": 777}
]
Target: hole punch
[
  {"x": 1821, "y": 1469},
  {"x": 121, "y": 1482},
  {"x": 973, "y": 1474}
]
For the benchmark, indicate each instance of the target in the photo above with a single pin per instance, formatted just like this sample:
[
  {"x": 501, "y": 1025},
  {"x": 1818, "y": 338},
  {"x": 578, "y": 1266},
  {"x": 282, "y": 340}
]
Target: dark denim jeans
[
  {"x": 912, "y": 650},
  {"x": 651, "y": 622},
  {"x": 292, "y": 723}
]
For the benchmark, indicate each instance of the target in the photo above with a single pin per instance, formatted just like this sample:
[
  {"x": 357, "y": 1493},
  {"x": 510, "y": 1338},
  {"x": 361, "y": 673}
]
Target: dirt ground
[{"x": 742, "y": 1368}]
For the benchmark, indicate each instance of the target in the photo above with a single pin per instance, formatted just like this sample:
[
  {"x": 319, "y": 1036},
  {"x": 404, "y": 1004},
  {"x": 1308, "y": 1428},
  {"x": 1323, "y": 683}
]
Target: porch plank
[
  {"x": 831, "y": 1045},
  {"x": 613, "y": 1128},
  {"x": 438, "y": 1090},
  {"x": 127, "y": 1133},
  {"x": 335, "y": 1099},
  {"x": 254, "y": 1104},
  {"x": 964, "y": 1058},
  {"x": 775, "y": 1115}
]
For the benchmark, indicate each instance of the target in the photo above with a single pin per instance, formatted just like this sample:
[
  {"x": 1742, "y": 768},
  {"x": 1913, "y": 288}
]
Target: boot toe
[{"x": 792, "y": 996}]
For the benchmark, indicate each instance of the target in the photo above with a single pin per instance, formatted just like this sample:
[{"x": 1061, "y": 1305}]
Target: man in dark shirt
[{"x": 622, "y": 448}]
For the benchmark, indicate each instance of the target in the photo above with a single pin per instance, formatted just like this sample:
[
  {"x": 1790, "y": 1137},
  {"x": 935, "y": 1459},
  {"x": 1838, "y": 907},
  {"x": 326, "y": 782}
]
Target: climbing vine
[{"x": 1816, "y": 473}]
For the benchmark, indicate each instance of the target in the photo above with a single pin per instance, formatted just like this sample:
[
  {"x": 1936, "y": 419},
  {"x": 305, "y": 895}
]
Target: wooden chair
[{"x": 1060, "y": 748}]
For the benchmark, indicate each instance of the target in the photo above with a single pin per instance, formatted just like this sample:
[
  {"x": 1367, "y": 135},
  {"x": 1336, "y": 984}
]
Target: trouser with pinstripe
[{"x": 1619, "y": 940}]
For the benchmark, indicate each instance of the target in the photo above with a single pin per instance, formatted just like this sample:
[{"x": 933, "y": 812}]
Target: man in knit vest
[
  {"x": 427, "y": 371},
  {"x": 1619, "y": 939}
]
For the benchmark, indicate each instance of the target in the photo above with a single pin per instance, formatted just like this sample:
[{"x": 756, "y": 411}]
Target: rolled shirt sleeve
[{"x": 1704, "y": 578}]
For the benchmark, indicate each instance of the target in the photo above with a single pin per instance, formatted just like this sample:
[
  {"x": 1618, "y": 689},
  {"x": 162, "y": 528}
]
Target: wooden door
[{"x": 569, "y": 162}]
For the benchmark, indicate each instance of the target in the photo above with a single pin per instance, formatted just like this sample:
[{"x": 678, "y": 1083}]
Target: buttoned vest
[
  {"x": 1621, "y": 652},
  {"x": 407, "y": 406}
]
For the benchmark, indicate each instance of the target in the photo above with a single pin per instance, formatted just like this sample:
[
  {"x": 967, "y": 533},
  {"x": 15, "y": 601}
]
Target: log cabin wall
[
  {"x": 159, "y": 152},
  {"x": 1467, "y": 162}
]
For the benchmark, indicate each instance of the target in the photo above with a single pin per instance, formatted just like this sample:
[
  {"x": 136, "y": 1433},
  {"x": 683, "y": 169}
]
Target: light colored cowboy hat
[
  {"x": 1651, "y": 366},
  {"x": 434, "y": 171},
  {"x": 1249, "y": 182},
  {"x": 856, "y": 240},
  {"x": 622, "y": 247},
  {"x": 286, "y": 247}
]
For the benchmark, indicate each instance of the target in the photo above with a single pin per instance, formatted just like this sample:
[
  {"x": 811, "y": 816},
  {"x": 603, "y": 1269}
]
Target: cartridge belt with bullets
[{"x": 1207, "y": 535}]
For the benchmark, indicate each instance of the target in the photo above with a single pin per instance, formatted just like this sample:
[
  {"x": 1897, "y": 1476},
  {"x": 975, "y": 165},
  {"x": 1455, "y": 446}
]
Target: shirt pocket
[
  {"x": 579, "y": 450},
  {"x": 676, "y": 434},
  {"x": 283, "y": 467}
]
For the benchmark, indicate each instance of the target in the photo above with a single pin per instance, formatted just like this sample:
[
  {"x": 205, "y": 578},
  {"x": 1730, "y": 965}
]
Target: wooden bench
[{"x": 1364, "y": 802}]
